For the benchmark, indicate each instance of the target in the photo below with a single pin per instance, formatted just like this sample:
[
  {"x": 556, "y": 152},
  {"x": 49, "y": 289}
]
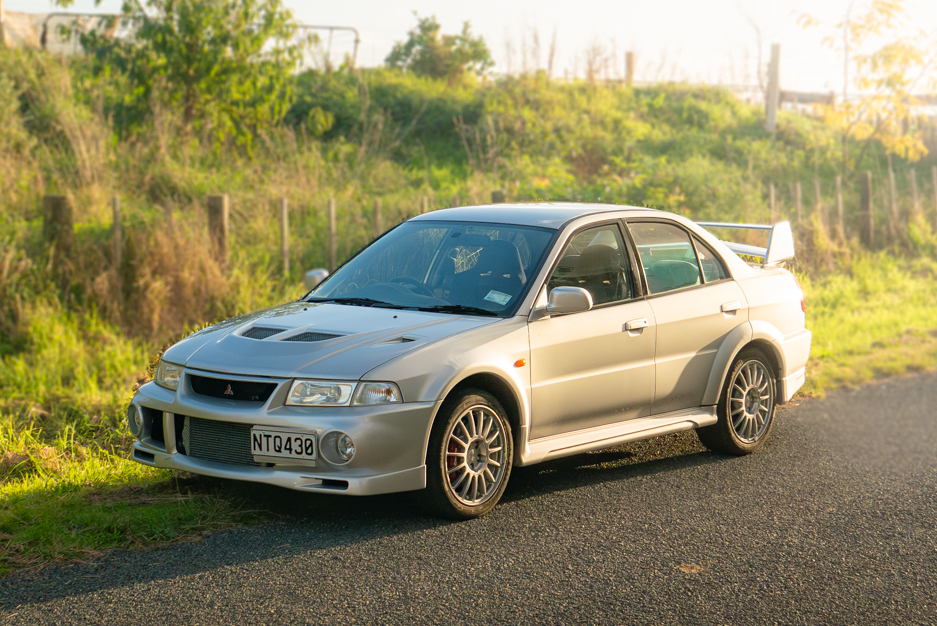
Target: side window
[
  {"x": 713, "y": 269},
  {"x": 667, "y": 255},
  {"x": 595, "y": 260}
]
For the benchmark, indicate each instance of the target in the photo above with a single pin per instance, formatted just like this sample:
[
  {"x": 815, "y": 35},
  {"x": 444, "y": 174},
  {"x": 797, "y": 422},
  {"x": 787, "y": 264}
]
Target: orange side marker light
[{"x": 520, "y": 363}]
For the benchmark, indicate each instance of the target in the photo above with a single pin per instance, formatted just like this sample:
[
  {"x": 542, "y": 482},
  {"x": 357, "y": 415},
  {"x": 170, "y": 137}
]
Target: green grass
[
  {"x": 877, "y": 319},
  {"x": 61, "y": 500}
]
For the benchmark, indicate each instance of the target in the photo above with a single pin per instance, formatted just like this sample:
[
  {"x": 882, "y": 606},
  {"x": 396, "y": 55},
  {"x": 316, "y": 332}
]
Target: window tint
[
  {"x": 667, "y": 255},
  {"x": 713, "y": 269},
  {"x": 595, "y": 260}
]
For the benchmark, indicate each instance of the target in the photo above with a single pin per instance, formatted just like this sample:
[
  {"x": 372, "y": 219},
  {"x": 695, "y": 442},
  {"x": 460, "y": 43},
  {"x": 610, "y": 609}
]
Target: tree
[
  {"x": 225, "y": 65},
  {"x": 448, "y": 57},
  {"x": 886, "y": 78}
]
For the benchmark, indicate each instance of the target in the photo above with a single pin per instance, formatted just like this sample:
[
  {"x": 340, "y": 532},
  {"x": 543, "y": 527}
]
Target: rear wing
[{"x": 780, "y": 241}]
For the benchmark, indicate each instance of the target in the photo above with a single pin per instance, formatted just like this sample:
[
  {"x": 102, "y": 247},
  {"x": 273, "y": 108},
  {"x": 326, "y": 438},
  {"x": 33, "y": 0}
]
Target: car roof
[{"x": 545, "y": 215}]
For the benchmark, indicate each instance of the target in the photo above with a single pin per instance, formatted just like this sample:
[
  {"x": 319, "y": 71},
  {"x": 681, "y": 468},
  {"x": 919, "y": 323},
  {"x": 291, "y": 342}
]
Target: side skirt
[{"x": 567, "y": 444}]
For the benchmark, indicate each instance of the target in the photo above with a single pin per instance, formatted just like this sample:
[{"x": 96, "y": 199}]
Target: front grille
[
  {"x": 222, "y": 442},
  {"x": 261, "y": 332},
  {"x": 247, "y": 391},
  {"x": 310, "y": 336}
]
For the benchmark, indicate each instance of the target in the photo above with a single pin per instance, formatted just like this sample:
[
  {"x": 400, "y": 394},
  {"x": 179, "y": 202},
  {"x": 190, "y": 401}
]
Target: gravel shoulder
[{"x": 834, "y": 522}]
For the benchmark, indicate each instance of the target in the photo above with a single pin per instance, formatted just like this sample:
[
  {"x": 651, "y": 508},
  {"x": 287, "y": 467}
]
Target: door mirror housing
[{"x": 565, "y": 300}]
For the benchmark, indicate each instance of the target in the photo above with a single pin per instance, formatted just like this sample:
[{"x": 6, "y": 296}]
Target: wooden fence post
[
  {"x": 218, "y": 208},
  {"x": 455, "y": 200},
  {"x": 773, "y": 96},
  {"x": 933, "y": 177},
  {"x": 378, "y": 225},
  {"x": 629, "y": 68},
  {"x": 865, "y": 210},
  {"x": 498, "y": 196},
  {"x": 285, "y": 235},
  {"x": 892, "y": 200},
  {"x": 839, "y": 207},
  {"x": 58, "y": 228},
  {"x": 799, "y": 201},
  {"x": 116, "y": 235},
  {"x": 915, "y": 201},
  {"x": 772, "y": 205},
  {"x": 424, "y": 204},
  {"x": 818, "y": 202},
  {"x": 332, "y": 237}
]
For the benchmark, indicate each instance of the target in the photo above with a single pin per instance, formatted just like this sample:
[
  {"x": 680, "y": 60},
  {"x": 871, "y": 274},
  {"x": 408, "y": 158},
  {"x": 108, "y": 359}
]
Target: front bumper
[{"x": 390, "y": 440}]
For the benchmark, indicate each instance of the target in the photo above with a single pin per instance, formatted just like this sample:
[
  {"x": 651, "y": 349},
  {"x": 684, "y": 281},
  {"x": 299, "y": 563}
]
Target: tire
[
  {"x": 469, "y": 457},
  {"x": 746, "y": 406}
]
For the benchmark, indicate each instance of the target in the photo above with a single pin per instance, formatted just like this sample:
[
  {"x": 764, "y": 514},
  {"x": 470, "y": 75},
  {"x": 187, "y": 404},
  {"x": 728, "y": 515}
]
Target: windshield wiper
[
  {"x": 359, "y": 302},
  {"x": 457, "y": 308}
]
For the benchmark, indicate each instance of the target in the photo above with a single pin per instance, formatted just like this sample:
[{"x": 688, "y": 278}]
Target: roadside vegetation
[{"x": 75, "y": 339}]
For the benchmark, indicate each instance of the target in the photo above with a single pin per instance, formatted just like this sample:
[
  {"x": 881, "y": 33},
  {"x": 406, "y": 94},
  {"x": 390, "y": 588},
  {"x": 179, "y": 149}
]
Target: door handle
[
  {"x": 730, "y": 307},
  {"x": 636, "y": 324}
]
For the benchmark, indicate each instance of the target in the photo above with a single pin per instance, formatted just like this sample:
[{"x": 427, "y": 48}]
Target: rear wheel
[
  {"x": 469, "y": 457},
  {"x": 746, "y": 406}
]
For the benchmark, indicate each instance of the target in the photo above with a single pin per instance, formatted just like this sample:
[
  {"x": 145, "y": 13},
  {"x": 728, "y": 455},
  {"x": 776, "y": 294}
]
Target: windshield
[{"x": 457, "y": 267}]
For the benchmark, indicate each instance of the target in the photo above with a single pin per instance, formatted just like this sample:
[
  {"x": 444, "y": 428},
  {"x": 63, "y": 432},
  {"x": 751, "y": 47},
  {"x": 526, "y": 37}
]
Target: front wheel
[
  {"x": 469, "y": 457},
  {"x": 746, "y": 406}
]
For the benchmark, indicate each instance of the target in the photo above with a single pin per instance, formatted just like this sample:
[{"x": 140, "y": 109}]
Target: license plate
[{"x": 283, "y": 443}]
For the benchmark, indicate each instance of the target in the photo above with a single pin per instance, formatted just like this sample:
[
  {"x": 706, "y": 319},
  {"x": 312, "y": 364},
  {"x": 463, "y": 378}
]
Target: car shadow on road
[{"x": 302, "y": 523}]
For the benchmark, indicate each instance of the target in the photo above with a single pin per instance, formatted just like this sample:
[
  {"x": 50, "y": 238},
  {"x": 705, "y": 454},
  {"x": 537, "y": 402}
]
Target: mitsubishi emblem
[{"x": 229, "y": 391}]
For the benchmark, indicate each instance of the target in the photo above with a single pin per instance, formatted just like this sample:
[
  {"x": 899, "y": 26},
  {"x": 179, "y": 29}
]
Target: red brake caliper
[{"x": 451, "y": 461}]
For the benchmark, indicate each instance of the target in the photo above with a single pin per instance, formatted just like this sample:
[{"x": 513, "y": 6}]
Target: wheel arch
[
  {"x": 498, "y": 386},
  {"x": 760, "y": 335}
]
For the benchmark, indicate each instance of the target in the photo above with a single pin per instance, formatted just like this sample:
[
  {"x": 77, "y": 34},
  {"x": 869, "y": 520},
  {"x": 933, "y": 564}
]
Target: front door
[{"x": 595, "y": 367}]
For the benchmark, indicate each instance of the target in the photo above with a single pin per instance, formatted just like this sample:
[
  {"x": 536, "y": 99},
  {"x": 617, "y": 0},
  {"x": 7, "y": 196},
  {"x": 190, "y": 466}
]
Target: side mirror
[
  {"x": 564, "y": 300},
  {"x": 314, "y": 277}
]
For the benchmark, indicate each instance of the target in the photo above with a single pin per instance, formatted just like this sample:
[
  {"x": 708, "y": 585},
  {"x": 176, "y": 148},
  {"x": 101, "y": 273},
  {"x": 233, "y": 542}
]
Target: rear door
[
  {"x": 695, "y": 304},
  {"x": 595, "y": 367}
]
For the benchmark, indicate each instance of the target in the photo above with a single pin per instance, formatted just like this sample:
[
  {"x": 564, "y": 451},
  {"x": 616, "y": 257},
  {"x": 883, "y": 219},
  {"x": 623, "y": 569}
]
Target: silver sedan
[{"x": 466, "y": 341}]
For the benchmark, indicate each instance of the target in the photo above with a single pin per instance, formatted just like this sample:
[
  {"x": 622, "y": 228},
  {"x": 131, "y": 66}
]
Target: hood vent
[
  {"x": 396, "y": 340},
  {"x": 262, "y": 332},
  {"x": 311, "y": 336}
]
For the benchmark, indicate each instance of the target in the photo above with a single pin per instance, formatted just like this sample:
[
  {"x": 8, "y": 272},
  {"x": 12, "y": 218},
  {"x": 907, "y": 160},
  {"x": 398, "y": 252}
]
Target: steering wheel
[{"x": 419, "y": 287}]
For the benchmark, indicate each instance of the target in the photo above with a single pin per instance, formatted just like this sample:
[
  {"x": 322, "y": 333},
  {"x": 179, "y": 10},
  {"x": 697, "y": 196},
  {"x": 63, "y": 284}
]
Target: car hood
[{"x": 315, "y": 340}]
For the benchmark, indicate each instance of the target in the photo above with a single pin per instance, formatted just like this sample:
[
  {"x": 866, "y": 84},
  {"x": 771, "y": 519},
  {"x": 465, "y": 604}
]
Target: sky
[{"x": 711, "y": 41}]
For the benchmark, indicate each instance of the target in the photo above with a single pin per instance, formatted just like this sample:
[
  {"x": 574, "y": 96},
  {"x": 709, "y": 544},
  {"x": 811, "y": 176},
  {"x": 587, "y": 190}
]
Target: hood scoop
[
  {"x": 310, "y": 336},
  {"x": 397, "y": 340},
  {"x": 261, "y": 332}
]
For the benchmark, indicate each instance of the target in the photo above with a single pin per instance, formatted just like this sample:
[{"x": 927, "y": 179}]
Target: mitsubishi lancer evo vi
[{"x": 466, "y": 341}]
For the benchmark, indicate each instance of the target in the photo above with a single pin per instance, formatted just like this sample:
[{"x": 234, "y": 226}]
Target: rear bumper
[
  {"x": 390, "y": 441},
  {"x": 796, "y": 350}
]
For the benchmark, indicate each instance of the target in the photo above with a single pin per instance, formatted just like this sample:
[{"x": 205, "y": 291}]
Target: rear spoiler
[{"x": 780, "y": 241}]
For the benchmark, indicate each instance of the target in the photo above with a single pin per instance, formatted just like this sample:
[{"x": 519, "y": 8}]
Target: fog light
[
  {"x": 345, "y": 447},
  {"x": 336, "y": 447},
  {"x": 134, "y": 420}
]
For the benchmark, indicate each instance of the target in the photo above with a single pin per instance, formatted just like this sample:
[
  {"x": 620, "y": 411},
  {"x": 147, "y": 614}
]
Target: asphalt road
[{"x": 833, "y": 522}]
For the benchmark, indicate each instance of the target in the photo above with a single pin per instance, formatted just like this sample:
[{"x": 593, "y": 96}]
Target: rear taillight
[{"x": 803, "y": 305}]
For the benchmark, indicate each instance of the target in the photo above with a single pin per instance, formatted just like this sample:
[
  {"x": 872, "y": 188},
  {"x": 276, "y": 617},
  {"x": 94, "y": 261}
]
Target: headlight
[
  {"x": 320, "y": 393},
  {"x": 377, "y": 393},
  {"x": 340, "y": 393},
  {"x": 168, "y": 375}
]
